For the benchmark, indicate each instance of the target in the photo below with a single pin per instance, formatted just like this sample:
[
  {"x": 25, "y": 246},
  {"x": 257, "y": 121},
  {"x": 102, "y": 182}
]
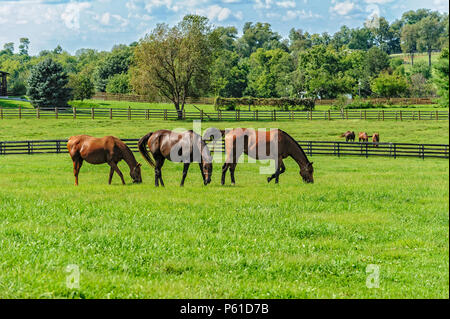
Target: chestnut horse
[
  {"x": 375, "y": 139},
  {"x": 349, "y": 136},
  {"x": 186, "y": 147},
  {"x": 108, "y": 149},
  {"x": 278, "y": 145},
  {"x": 363, "y": 137}
]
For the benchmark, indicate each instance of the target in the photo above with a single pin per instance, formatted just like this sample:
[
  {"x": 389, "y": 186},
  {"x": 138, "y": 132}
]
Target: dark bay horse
[
  {"x": 185, "y": 147},
  {"x": 275, "y": 144},
  {"x": 108, "y": 149},
  {"x": 375, "y": 139},
  {"x": 363, "y": 137},
  {"x": 349, "y": 136}
]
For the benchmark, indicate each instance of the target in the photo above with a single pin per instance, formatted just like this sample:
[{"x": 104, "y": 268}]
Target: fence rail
[
  {"x": 311, "y": 148},
  {"x": 237, "y": 115},
  {"x": 210, "y": 100}
]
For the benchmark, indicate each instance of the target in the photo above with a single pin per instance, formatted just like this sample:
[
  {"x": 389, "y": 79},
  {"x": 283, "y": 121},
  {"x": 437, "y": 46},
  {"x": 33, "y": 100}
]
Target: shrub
[
  {"x": 118, "y": 83},
  {"x": 279, "y": 103},
  {"x": 389, "y": 85},
  {"x": 82, "y": 87},
  {"x": 47, "y": 85}
]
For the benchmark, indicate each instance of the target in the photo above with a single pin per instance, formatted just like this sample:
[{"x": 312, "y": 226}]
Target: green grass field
[
  {"x": 253, "y": 240},
  {"x": 11, "y": 104},
  {"x": 435, "y": 132}
]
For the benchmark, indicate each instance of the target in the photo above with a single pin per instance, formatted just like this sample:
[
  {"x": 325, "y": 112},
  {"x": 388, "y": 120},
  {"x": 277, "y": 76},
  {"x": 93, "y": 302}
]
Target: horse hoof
[{"x": 268, "y": 179}]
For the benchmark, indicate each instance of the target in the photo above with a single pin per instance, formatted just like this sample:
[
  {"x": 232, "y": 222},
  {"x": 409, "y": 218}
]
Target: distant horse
[
  {"x": 186, "y": 147},
  {"x": 278, "y": 145},
  {"x": 375, "y": 139},
  {"x": 349, "y": 136},
  {"x": 363, "y": 137},
  {"x": 108, "y": 149}
]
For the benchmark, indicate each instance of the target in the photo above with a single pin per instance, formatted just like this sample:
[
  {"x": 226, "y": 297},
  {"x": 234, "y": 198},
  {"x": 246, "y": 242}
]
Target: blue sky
[{"x": 103, "y": 23}]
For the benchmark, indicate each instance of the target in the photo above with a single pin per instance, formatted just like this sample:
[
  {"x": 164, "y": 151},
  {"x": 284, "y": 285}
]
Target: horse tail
[{"x": 142, "y": 145}]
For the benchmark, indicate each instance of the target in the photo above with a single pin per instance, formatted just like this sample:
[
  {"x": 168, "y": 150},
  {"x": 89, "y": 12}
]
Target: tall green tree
[
  {"x": 430, "y": 30},
  {"x": 23, "y": 46},
  {"x": 441, "y": 77},
  {"x": 47, "y": 85},
  {"x": 175, "y": 62},
  {"x": 410, "y": 33},
  {"x": 258, "y": 35},
  {"x": 82, "y": 86},
  {"x": 117, "y": 62}
]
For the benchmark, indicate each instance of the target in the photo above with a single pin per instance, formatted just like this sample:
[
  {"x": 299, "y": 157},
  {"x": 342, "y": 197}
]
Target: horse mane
[{"x": 300, "y": 148}]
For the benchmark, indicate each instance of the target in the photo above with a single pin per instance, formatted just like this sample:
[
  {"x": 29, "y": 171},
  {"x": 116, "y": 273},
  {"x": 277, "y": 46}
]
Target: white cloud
[
  {"x": 286, "y": 4},
  {"x": 342, "y": 8},
  {"x": 71, "y": 14},
  {"x": 378, "y": 1},
  {"x": 263, "y": 4},
  {"x": 215, "y": 12},
  {"x": 300, "y": 14}
]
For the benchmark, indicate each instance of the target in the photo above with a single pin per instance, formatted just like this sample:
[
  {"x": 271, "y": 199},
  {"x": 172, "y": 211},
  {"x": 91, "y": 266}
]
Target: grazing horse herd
[
  {"x": 189, "y": 147},
  {"x": 362, "y": 136}
]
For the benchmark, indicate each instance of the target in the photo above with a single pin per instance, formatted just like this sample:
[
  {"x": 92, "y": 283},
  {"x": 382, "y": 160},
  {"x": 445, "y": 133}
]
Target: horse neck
[
  {"x": 296, "y": 152},
  {"x": 128, "y": 157}
]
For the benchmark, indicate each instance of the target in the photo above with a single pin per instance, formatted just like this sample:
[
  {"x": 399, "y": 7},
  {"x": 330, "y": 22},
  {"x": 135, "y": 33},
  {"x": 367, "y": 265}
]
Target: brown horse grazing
[
  {"x": 375, "y": 139},
  {"x": 275, "y": 144},
  {"x": 363, "y": 137},
  {"x": 186, "y": 147},
  {"x": 349, "y": 136},
  {"x": 108, "y": 149}
]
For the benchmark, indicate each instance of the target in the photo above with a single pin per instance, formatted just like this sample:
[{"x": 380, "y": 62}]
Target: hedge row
[{"x": 281, "y": 103}]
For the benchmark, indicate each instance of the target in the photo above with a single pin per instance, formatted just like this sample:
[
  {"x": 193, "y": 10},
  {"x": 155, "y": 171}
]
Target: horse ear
[
  {"x": 310, "y": 164},
  {"x": 139, "y": 165}
]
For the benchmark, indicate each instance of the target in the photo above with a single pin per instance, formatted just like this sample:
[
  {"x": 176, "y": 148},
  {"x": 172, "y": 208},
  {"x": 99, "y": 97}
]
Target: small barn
[{"x": 3, "y": 84}]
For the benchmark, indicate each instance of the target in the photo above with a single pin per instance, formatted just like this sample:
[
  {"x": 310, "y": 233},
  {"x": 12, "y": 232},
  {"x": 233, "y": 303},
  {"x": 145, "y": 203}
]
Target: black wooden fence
[
  {"x": 311, "y": 148},
  {"x": 237, "y": 115}
]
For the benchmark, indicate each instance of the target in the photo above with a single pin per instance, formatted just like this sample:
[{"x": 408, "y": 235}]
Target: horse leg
[
  {"x": 158, "y": 174},
  {"x": 224, "y": 172},
  {"x": 280, "y": 170},
  {"x": 76, "y": 168},
  {"x": 201, "y": 171},
  {"x": 116, "y": 168},
  {"x": 185, "y": 170},
  {"x": 232, "y": 168},
  {"x": 111, "y": 172}
]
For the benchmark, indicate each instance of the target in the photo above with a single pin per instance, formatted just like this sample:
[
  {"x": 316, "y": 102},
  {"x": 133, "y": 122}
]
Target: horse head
[
  {"x": 306, "y": 172},
  {"x": 135, "y": 174}
]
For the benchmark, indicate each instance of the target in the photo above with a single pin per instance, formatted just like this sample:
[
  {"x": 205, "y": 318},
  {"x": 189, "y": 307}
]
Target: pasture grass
[
  {"x": 11, "y": 104},
  {"x": 436, "y": 132},
  {"x": 252, "y": 240}
]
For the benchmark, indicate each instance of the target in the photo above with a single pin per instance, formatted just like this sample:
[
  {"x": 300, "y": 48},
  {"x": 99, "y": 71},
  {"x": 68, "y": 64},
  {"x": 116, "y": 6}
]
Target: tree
[
  {"x": 47, "y": 85},
  {"x": 118, "y": 61},
  {"x": 268, "y": 76},
  {"x": 441, "y": 77},
  {"x": 376, "y": 61},
  {"x": 82, "y": 86},
  {"x": 23, "y": 46},
  {"x": 409, "y": 40},
  {"x": 389, "y": 85},
  {"x": 361, "y": 39},
  {"x": 228, "y": 75},
  {"x": 119, "y": 83},
  {"x": 259, "y": 35},
  {"x": 8, "y": 48},
  {"x": 422, "y": 68},
  {"x": 430, "y": 31},
  {"x": 175, "y": 62}
]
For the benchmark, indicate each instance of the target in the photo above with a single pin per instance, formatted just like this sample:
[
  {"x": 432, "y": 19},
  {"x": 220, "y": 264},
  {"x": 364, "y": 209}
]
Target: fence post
[
  {"x": 329, "y": 115},
  {"x": 1, "y": 112},
  {"x": 29, "y": 147},
  {"x": 437, "y": 115},
  {"x": 365, "y": 114},
  {"x": 165, "y": 114},
  {"x": 110, "y": 113},
  {"x": 338, "y": 149},
  {"x": 310, "y": 148},
  {"x": 423, "y": 152},
  {"x": 20, "y": 112},
  {"x": 419, "y": 115},
  {"x": 201, "y": 115},
  {"x": 256, "y": 114},
  {"x": 396, "y": 115},
  {"x": 395, "y": 150},
  {"x": 219, "y": 114},
  {"x": 346, "y": 114},
  {"x": 56, "y": 113},
  {"x": 37, "y": 112},
  {"x": 92, "y": 113},
  {"x": 382, "y": 112},
  {"x": 401, "y": 117},
  {"x": 129, "y": 113},
  {"x": 74, "y": 113}
]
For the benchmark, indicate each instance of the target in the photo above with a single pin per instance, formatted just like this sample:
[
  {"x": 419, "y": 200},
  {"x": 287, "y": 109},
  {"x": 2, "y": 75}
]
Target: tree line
[{"x": 193, "y": 58}]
